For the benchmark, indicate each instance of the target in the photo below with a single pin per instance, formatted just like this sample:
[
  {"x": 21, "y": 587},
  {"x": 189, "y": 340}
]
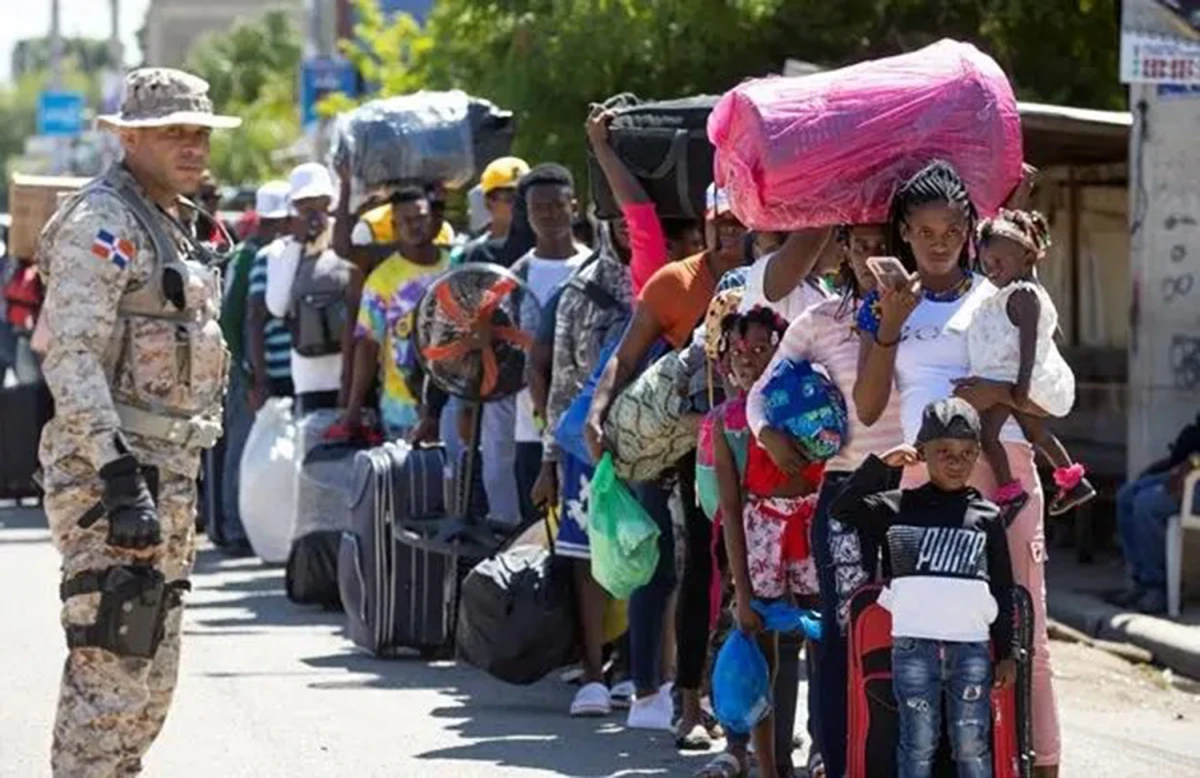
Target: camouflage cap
[{"x": 161, "y": 97}]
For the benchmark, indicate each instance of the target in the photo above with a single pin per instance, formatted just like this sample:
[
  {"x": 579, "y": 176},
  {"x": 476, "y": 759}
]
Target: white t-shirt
[
  {"x": 309, "y": 374},
  {"x": 806, "y": 294},
  {"x": 545, "y": 276},
  {"x": 933, "y": 352}
]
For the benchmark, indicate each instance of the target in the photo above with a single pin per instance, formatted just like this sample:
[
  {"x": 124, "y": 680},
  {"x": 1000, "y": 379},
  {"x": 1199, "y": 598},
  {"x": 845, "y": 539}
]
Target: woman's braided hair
[{"x": 937, "y": 182}]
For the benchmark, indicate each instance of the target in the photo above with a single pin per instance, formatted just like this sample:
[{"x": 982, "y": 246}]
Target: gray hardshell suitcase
[{"x": 396, "y": 596}]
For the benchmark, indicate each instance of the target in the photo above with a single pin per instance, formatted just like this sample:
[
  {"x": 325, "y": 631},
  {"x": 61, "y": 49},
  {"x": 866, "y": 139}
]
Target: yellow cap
[{"x": 503, "y": 173}]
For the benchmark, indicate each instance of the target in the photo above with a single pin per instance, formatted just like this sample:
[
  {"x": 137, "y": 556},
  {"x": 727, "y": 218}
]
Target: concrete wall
[
  {"x": 174, "y": 26},
  {"x": 1164, "y": 337}
]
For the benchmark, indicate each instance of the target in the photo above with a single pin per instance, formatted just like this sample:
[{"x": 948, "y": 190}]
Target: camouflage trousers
[{"x": 110, "y": 708}]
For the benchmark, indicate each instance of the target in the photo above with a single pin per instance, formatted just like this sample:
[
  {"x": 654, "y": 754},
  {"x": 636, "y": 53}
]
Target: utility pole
[
  {"x": 116, "y": 55},
  {"x": 58, "y": 163}
]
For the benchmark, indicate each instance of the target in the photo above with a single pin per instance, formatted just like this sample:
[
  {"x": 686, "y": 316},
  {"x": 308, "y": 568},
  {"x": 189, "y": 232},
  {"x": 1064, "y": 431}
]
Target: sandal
[
  {"x": 723, "y": 765},
  {"x": 1012, "y": 507},
  {"x": 1069, "y": 499},
  {"x": 696, "y": 738}
]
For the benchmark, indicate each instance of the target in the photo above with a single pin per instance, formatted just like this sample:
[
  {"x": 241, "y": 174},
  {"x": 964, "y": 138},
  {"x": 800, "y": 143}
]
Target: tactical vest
[{"x": 167, "y": 362}]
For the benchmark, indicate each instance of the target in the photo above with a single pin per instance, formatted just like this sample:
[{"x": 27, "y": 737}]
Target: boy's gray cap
[
  {"x": 953, "y": 418},
  {"x": 163, "y": 97}
]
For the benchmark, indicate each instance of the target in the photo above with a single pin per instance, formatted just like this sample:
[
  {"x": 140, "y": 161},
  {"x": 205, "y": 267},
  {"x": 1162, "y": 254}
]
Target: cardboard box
[{"x": 32, "y": 200}]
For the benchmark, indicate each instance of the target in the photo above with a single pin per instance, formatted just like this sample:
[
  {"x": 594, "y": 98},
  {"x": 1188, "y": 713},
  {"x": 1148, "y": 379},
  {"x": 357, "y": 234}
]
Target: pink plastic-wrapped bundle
[{"x": 831, "y": 148}]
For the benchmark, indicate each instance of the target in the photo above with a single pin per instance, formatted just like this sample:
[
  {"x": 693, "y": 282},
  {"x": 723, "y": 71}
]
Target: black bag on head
[
  {"x": 665, "y": 144},
  {"x": 516, "y": 618}
]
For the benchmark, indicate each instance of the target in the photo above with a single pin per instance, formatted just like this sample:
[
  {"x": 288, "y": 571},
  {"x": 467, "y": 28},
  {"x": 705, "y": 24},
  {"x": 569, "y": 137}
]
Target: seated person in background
[
  {"x": 946, "y": 556},
  {"x": 1143, "y": 507},
  {"x": 311, "y": 287},
  {"x": 382, "y": 336}
]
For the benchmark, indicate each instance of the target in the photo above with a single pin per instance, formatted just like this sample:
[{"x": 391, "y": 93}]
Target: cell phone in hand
[{"x": 888, "y": 271}]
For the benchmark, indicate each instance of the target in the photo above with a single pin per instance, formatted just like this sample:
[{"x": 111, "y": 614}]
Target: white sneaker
[
  {"x": 622, "y": 694},
  {"x": 592, "y": 700},
  {"x": 655, "y": 712}
]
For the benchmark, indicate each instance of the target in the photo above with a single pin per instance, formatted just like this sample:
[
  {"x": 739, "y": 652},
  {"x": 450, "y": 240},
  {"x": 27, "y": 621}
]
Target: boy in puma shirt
[{"x": 946, "y": 555}]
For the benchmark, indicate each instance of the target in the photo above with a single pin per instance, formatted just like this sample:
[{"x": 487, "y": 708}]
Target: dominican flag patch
[{"x": 113, "y": 249}]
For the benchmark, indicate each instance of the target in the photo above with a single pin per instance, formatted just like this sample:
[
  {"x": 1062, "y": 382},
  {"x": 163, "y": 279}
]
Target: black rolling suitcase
[
  {"x": 396, "y": 596},
  {"x": 665, "y": 144},
  {"x": 24, "y": 410}
]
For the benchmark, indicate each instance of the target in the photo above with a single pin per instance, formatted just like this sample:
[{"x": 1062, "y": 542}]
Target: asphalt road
[{"x": 268, "y": 689}]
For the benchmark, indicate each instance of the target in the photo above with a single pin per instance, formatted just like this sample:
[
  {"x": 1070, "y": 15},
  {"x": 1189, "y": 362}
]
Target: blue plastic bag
[
  {"x": 802, "y": 401},
  {"x": 741, "y": 684},
  {"x": 780, "y": 616},
  {"x": 622, "y": 536},
  {"x": 569, "y": 432}
]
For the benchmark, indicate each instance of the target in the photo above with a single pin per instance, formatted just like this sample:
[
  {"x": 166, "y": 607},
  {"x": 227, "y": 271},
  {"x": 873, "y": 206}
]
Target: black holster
[{"x": 134, "y": 601}]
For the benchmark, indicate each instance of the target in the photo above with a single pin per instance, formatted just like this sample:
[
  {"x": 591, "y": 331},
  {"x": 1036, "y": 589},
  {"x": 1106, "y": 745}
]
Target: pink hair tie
[{"x": 1069, "y": 477}]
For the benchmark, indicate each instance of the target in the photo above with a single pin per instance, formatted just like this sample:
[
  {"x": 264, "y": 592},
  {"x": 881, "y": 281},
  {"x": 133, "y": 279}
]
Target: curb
[{"x": 1173, "y": 645}]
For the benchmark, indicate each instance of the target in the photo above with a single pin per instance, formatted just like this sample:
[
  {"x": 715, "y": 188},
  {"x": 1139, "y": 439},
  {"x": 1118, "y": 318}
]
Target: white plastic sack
[
  {"x": 323, "y": 480},
  {"x": 267, "y": 493}
]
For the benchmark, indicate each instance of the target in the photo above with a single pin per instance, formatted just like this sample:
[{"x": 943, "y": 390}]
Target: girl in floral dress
[{"x": 768, "y": 550}]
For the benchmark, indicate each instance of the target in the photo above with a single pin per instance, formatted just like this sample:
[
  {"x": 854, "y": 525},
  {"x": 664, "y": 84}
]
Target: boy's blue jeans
[{"x": 924, "y": 670}]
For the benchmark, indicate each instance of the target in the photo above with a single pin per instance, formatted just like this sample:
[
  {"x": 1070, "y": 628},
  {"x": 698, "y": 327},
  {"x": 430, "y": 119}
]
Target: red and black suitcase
[{"x": 873, "y": 723}]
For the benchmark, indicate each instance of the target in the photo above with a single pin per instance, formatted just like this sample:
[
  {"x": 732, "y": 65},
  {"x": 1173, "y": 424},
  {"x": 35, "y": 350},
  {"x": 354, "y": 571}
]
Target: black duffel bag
[
  {"x": 665, "y": 144},
  {"x": 516, "y": 615},
  {"x": 311, "y": 576}
]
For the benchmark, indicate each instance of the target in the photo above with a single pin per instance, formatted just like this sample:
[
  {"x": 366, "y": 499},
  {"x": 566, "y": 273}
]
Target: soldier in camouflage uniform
[{"x": 134, "y": 357}]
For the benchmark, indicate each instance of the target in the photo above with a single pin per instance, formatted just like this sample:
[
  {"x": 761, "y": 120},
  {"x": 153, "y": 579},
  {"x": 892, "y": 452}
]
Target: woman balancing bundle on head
[{"x": 1012, "y": 339}]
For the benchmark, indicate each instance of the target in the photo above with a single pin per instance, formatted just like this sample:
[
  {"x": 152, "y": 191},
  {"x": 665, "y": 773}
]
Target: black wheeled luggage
[
  {"x": 665, "y": 144},
  {"x": 24, "y": 410},
  {"x": 396, "y": 596}
]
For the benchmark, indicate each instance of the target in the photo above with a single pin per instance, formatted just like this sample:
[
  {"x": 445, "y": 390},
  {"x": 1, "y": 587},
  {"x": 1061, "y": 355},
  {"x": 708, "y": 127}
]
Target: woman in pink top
[
  {"x": 653, "y": 242},
  {"x": 825, "y": 335}
]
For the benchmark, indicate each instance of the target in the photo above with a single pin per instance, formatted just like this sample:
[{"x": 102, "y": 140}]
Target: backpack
[{"x": 319, "y": 314}]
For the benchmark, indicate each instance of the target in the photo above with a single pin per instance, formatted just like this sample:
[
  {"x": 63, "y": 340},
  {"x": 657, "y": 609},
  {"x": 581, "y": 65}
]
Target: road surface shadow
[{"x": 517, "y": 726}]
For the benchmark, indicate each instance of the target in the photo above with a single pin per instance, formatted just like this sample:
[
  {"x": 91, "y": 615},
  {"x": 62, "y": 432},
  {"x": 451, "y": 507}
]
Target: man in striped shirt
[{"x": 270, "y": 341}]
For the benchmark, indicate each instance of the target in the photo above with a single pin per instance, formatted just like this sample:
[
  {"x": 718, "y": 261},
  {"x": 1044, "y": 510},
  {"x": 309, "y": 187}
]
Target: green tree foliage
[
  {"x": 548, "y": 59},
  {"x": 252, "y": 71}
]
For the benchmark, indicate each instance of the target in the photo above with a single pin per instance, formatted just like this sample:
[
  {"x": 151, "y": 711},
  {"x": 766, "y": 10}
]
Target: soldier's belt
[{"x": 185, "y": 433}]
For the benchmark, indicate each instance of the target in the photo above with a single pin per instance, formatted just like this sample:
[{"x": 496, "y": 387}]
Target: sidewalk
[{"x": 1076, "y": 599}]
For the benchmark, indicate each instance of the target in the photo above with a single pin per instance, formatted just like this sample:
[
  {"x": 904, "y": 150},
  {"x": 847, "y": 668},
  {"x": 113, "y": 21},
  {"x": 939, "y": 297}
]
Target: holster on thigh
[{"x": 134, "y": 601}]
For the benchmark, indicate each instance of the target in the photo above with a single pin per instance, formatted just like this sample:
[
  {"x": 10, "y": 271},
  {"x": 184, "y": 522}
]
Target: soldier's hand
[{"x": 129, "y": 506}]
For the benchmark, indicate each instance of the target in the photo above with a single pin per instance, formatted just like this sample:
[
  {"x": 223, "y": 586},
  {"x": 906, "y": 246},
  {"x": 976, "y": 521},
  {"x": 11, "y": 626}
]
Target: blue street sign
[
  {"x": 60, "y": 114},
  {"x": 320, "y": 77}
]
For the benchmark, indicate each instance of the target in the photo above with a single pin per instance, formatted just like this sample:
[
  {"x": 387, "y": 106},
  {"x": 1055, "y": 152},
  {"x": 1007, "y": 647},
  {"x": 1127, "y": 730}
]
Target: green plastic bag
[{"x": 622, "y": 536}]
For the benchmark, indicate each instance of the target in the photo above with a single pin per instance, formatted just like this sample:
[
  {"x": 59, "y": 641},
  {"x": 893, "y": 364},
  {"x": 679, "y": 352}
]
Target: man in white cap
[
  {"x": 311, "y": 287},
  {"x": 134, "y": 357}
]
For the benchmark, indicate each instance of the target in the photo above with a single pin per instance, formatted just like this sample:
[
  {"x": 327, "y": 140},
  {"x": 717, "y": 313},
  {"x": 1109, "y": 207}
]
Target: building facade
[{"x": 174, "y": 26}]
